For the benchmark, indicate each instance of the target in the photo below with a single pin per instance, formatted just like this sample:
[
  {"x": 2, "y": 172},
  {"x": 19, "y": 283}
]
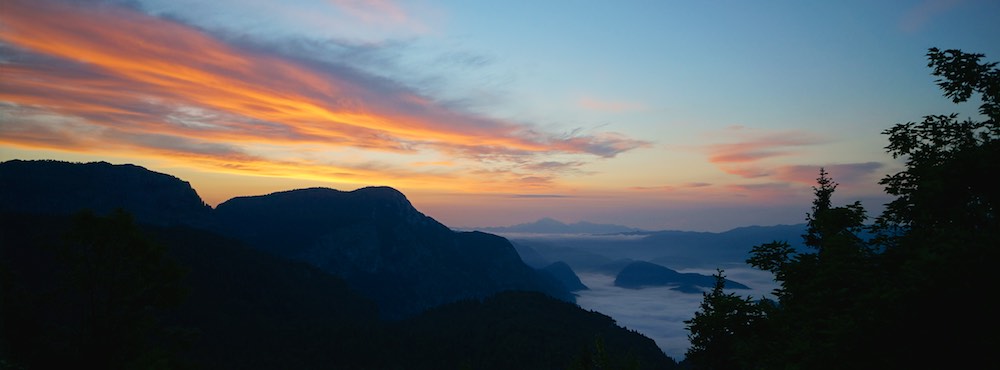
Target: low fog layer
[{"x": 659, "y": 312}]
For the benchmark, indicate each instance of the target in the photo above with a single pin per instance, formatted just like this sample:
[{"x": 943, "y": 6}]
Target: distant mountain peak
[
  {"x": 549, "y": 225},
  {"x": 549, "y": 221}
]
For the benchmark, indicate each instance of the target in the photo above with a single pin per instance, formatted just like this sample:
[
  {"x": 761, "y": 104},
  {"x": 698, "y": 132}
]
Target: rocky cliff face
[
  {"x": 374, "y": 238},
  {"x": 564, "y": 274}
]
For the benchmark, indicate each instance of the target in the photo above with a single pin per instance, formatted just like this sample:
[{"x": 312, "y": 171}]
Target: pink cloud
[
  {"x": 759, "y": 147},
  {"x": 600, "y": 105},
  {"x": 918, "y": 16},
  {"x": 381, "y": 13}
]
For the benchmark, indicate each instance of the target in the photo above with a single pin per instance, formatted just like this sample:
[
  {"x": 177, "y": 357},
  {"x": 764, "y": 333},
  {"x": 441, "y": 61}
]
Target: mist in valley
[{"x": 657, "y": 312}]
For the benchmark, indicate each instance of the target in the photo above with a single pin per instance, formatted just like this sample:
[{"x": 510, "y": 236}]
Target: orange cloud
[{"x": 107, "y": 78}]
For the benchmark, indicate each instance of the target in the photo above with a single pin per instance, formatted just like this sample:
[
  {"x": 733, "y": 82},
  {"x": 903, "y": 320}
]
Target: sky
[{"x": 685, "y": 115}]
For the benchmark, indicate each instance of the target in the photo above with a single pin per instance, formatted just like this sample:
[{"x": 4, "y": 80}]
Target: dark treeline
[{"x": 919, "y": 294}]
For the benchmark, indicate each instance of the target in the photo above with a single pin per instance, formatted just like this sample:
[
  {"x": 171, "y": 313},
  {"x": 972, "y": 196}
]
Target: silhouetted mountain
[
  {"x": 552, "y": 226},
  {"x": 565, "y": 275},
  {"x": 248, "y": 308},
  {"x": 371, "y": 237},
  {"x": 54, "y": 187},
  {"x": 642, "y": 274},
  {"x": 377, "y": 241}
]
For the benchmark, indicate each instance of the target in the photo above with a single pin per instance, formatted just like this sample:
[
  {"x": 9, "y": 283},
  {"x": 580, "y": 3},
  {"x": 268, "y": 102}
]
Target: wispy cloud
[
  {"x": 761, "y": 159},
  {"x": 386, "y": 14},
  {"x": 756, "y": 147},
  {"x": 554, "y": 167},
  {"x": 604, "y": 105},
  {"x": 918, "y": 16},
  {"x": 747, "y": 153},
  {"x": 79, "y": 78},
  {"x": 841, "y": 172}
]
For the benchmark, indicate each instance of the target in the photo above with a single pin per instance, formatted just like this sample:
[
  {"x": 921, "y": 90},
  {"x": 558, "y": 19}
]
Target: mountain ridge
[
  {"x": 548, "y": 225},
  {"x": 372, "y": 237}
]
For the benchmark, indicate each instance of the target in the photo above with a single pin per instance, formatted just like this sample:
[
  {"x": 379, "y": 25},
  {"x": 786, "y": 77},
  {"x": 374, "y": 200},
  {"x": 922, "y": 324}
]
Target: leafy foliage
[
  {"x": 941, "y": 232},
  {"x": 917, "y": 287},
  {"x": 724, "y": 329}
]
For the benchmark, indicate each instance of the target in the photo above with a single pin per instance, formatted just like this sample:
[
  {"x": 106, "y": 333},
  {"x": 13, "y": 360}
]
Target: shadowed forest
[{"x": 117, "y": 267}]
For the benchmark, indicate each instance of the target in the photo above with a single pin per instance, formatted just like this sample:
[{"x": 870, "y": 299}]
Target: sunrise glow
[{"x": 478, "y": 126}]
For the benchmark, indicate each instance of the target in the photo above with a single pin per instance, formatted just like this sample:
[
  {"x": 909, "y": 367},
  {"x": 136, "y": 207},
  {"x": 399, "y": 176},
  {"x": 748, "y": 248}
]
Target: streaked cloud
[
  {"x": 841, "y": 173},
  {"x": 690, "y": 185},
  {"x": 72, "y": 80},
  {"x": 555, "y": 167},
  {"x": 753, "y": 147}
]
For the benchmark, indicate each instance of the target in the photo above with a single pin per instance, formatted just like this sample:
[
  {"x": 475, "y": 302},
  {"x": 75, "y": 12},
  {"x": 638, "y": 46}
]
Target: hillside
[
  {"x": 377, "y": 241},
  {"x": 210, "y": 299},
  {"x": 640, "y": 274}
]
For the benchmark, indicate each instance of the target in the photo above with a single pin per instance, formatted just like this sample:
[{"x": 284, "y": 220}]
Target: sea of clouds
[{"x": 659, "y": 312}]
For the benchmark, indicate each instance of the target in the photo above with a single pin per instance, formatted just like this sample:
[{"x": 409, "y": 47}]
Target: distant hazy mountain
[
  {"x": 675, "y": 249},
  {"x": 640, "y": 274},
  {"x": 552, "y": 226},
  {"x": 529, "y": 255},
  {"x": 565, "y": 275}
]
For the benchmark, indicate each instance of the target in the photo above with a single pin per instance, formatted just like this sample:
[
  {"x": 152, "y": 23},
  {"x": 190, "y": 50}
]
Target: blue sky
[{"x": 653, "y": 114}]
